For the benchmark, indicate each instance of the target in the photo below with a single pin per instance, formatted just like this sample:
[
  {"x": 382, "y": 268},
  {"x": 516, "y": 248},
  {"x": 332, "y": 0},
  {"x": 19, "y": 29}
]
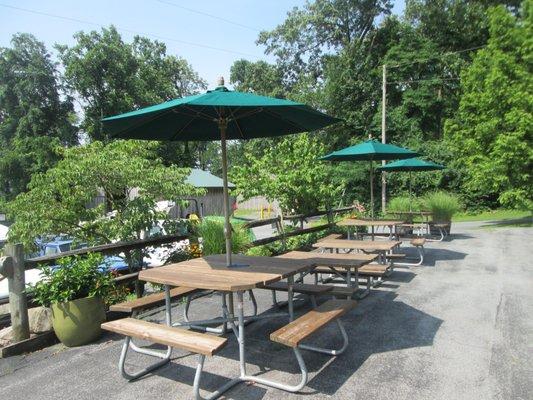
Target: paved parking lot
[{"x": 459, "y": 327}]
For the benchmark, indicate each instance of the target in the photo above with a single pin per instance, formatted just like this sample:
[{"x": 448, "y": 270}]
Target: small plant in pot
[{"x": 75, "y": 290}]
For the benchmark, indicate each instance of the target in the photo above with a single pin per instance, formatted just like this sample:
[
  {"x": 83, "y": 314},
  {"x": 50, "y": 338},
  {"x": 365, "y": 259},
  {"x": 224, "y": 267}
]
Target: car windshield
[
  {"x": 156, "y": 230},
  {"x": 64, "y": 247},
  {"x": 54, "y": 249}
]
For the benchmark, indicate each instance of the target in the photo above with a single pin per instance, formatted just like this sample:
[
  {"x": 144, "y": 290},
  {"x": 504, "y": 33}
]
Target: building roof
[{"x": 204, "y": 179}]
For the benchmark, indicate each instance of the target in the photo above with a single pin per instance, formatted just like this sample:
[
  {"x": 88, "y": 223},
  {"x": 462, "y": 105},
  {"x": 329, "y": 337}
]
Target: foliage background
[{"x": 459, "y": 92}]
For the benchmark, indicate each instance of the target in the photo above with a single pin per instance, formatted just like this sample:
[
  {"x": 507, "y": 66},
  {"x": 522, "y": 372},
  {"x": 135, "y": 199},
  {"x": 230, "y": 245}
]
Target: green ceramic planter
[{"x": 77, "y": 322}]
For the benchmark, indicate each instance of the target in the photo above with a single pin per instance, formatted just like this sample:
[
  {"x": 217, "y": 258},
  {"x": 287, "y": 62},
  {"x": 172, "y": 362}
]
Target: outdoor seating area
[
  {"x": 328, "y": 277},
  {"x": 307, "y": 199},
  {"x": 414, "y": 318}
]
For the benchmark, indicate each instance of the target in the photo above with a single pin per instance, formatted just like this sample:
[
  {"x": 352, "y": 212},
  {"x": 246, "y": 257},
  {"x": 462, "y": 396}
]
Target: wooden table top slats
[
  {"x": 369, "y": 222},
  {"x": 211, "y": 272},
  {"x": 331, "y": 259},
  {"x": 367, "y": 245}
]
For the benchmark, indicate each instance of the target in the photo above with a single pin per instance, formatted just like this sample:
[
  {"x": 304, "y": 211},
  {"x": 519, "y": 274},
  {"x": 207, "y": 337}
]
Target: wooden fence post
[
  {"x": 331, "y": 219},
  {"x": 18, "y": 303},
  {"x": 139, "y": 286},
  {"x": 281, "y": 231}
]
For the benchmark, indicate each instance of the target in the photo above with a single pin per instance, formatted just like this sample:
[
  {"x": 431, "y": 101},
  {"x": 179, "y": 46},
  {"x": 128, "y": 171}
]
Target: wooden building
[{"x": 212, "y": 203}]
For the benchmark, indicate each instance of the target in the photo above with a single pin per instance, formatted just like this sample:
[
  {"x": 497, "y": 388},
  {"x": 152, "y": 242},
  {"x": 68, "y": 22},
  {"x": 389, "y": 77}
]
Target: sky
[{"x": 209, "y": 34}]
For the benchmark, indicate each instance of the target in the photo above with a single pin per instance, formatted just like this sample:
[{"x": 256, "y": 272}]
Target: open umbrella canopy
[
  {"x": 219, "y": 114},
  {"x": 370, "y": 150},
  {"x": 411, "y": 164},
  {"x": 198, "y": 117}
]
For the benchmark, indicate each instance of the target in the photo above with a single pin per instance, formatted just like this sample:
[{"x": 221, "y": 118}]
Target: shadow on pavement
[
  {"x": 434, "y": 254},
  {"x": 388, "y": 325},
  {"x": 517, "y": 222}
]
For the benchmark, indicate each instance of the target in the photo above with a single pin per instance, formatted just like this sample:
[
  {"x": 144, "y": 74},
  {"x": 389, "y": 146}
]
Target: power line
[
  {"x": 435, "y": 57},
  {"x": 209, "y": 15},
  {"x": 424, "y": 80},
  {"x": 205, "y": 46}
]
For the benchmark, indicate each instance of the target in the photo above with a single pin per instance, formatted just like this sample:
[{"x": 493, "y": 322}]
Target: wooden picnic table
[
  {"x": 346, "y": 261},
  {"x": 349, "y": 263},
  {"x": 413, "y": 213},
  {"x": 357, "y": 222},
  {"x": 211, "y": 272},
  {"x": 410, "y": 215},
  {"x": 382, "y": 247},
  {"x": 250, "y": 272}
]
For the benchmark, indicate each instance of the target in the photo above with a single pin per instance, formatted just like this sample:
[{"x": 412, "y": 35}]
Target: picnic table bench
[{"x": 135, "y": 306}]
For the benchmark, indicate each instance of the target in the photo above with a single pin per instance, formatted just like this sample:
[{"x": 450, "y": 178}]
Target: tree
[
  {"x": 258, "y": 77},
  {"x": 289, "y": 172},
  {"x": 321, "y": 27},
  {"x": 110, "y": 76},
  {"x": 453, "y": 24},
  {"x": 59, "y": 199},
  {"x": 491, "y": 134},
  {"x": 35, "y": 116}
]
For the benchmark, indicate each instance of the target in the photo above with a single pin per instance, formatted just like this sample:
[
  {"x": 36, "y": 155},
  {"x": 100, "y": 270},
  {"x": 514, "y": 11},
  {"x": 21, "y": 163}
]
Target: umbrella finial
[{"x": 220, "y": 81}]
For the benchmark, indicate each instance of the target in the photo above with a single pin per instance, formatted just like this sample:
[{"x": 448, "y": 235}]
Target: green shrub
[
  {"x": 75, "y": 278},
  {"x": 402, "y": 203},
  {"x": 212, "y": 233},
  {"x": 443, "y": 205},
  {"x": 260, "y": 251},
  {"x": 300, "y": 242}
]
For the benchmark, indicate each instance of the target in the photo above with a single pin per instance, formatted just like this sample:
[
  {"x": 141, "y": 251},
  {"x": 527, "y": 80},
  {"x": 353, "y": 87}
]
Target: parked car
[
  {"x": 156, "y": 256},
  {"x": 60, "y": 245}
]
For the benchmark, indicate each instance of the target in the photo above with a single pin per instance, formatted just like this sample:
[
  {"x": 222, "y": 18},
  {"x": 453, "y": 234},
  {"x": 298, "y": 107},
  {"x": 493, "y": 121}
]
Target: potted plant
[
  {"x": 442, "y": 206},
  {"x": 75, "y": 289}
]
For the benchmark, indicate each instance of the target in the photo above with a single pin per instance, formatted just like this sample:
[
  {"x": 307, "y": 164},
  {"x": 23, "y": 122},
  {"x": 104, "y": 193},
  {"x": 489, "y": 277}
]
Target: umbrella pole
[
  {"x": 372, "y": 189},
  {"x": 410, "y": 194},
  {"x": 227, "y": 225}
]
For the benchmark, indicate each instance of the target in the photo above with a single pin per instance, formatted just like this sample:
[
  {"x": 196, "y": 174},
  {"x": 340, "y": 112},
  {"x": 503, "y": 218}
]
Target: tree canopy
[
  {"x": 34, "y": 116},
  {"x": 126, "y": 175},
  {"x": 491, "y": 132},
  {"x": 289, "y": 172},
  {"x": 110, "y": 76},
  {"x": 458, "y": 91}
]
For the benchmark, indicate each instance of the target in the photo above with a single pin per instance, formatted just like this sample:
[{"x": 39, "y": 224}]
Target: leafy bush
[
  {"x": 300, "y": 242},
  {"x": 75, "y": 278},
  {"x": 212, "y": 233},
  {"x": 290, "y": 173},
  {"x": 264, "y": 250},
  {"x": 443, "y": 205},
  {"x": 67, "y": 198},
  {"x": 403, "y": 204}
]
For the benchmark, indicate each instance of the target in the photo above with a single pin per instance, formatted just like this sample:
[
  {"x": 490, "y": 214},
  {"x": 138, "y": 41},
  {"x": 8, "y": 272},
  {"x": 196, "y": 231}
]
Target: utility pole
[{"x": 383, "y": 139}]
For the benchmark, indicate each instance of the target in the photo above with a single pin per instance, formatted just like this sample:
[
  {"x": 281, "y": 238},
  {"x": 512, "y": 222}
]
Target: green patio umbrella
[
  {"x": 370, "y": 150},
  {"x": 410, "y": 165},
  {"x": 218, "y": 114}
]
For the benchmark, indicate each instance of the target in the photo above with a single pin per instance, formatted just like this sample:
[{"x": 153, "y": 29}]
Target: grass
[
  {"x": 211, "y": 230},
  {"x": 493, "y": 215},
  {"x": 248, "y": 213}
]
